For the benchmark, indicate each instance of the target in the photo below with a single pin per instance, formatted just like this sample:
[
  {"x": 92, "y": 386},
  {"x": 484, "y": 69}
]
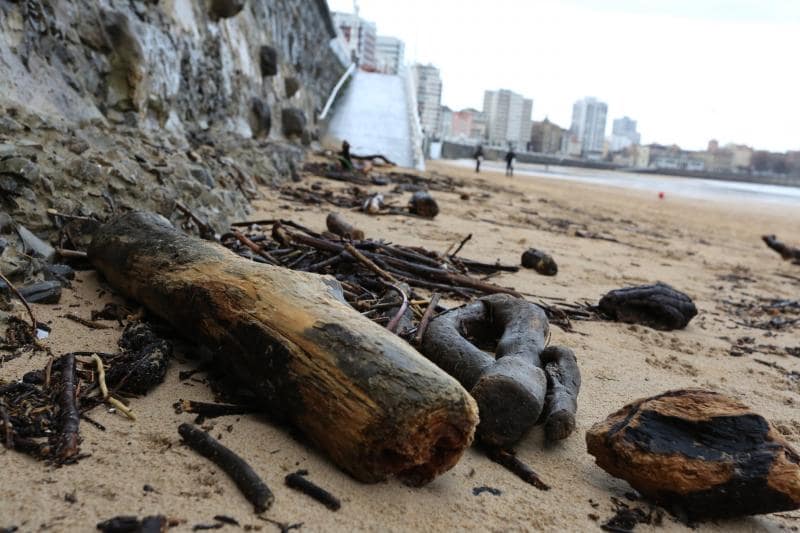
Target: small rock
[
  {"x": 60, "y": 273},
  {"x": 35, "y": 245},
  {"x": 268, "y": 60},
  {"x": 9, "y": 125},
  {"x": 293, "y": 121},
  {"x": 6, "y": 222},
  {"x": 423, "y": 204},
  {"x": 43, "y": 292},
  {"x": 201, "y": 174},
  {"x": 658, "y": 306},
  {"x": 540, "y": 262},
  {"x": 20, "y": 168},
  {"x": 262, "y": 117},
  {"x": 76, "y": 146},
  {"x": 699, "y": 453},
  {"x": 222, "y": 9}
]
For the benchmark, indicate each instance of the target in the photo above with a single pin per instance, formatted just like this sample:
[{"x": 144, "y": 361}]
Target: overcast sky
[{"x": 686, "y": 70}]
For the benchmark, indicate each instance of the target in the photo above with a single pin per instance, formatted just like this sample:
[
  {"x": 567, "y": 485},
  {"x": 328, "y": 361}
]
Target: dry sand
[{"x": 710, "y": 250}]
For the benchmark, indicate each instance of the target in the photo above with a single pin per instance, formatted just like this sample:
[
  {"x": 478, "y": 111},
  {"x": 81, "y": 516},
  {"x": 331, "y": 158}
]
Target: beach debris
[
  {"x": 142, "y": 362},
  {"x": 112, "y": 311},
  {"x": 699, "y": 454},
  {"x": 373, "y": 204},
  {"x": 477, "y": 491},
  {"x": 539, "y": 261},
  {"x": 229, "y": 520},
  {"x": 205, "y": 410},
  {"x": 42, "y": 292},
  {"x": 788, "y": 253},
  {"x": 508, "y": 459},
  {"x": 764, "y": 313},
  {"x": 44, "y": 408},
  {"x": 658, "y": 306},
  {"x": 68, "y": 417},
  {"x": 252, "y": 486},
  {"x": 84, "y": 322},
  {"x": 14, "y": 339},
  {"x": 563, "y": 386},
  {"x": 299, "y": 481},
  {"x": 311, "y": 358},
  {"x": 299, "y": 248},
  {"x": 339, "y": 226},
  {"x": 511, "y": 387},
  {"x": 131, "y": 524},
  {"x": 423, "y": 204},
  {"x": 626, "y": 518}
]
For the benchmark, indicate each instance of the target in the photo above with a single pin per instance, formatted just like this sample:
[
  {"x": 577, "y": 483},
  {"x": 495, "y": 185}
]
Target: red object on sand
[{"x": 661, "y": 195}]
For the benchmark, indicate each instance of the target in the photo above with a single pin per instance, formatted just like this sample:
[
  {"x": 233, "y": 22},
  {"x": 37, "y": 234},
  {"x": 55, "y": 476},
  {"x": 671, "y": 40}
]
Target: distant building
[
  {"x": 589, "y": 124},
  {"x": 571, "y": 145},
  {"x": 358, "y": 37},
  {"x": 429, "y": 97},
  {"x": 468, "y": 125},
  {"x": 389, "y": 53},
  {"x": 670, "y": 158},
  {"x": 444, "y": 130},
  {"x": 742, "y": 157},
  {"x": 546, "y": 137},
  {"x": 623, "y": 134},
  {"x": 508, "y": 117}
]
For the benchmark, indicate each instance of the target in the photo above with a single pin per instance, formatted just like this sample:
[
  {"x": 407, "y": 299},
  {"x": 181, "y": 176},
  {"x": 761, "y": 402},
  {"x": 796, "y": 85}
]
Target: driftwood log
[
  {"x": 788, "y": 253},
  {"x": 658, "y": 306},
  {"x": 699, "y": 454},
  {"x": 339, "y": 226},
  {"x": 362, "y": 395},
  {"x": 511, "y": 387}
]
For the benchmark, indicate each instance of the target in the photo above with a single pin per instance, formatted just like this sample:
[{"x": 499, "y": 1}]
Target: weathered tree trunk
[{"x": 373, "y": 404}]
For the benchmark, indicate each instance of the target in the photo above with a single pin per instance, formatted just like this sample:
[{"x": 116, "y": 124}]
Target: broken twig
[
  {"x": 298, "y": 481},
  {"x": 252, "y": 486}
]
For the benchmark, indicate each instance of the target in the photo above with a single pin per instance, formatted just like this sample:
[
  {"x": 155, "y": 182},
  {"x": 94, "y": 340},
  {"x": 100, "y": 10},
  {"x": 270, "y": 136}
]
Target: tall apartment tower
[
  {"x": 389, "y": 54},
  {"x": 508, "y": 117},
  {"x": 359, "y": 38},
  {"x": 429, "y": 97},
  {"x": 589, "y": 124},
  {"x": 624, "y": 134}
]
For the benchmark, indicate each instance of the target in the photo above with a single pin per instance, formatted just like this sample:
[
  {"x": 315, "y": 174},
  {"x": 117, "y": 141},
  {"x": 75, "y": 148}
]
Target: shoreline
[{"x": 686, "y": 187}]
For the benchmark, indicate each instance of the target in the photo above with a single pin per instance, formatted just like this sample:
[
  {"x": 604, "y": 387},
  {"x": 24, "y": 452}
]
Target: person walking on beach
[
  {"x": 510, "y": 156},
  {"x": 478, "y": 158}
]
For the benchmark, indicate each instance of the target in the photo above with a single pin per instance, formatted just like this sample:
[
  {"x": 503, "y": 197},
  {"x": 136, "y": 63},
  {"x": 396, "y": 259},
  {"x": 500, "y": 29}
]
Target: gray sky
[{"x": 686, "y": 70}]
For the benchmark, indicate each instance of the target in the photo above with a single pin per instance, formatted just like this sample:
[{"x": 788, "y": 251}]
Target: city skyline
[{"x": 687, "y": 73}]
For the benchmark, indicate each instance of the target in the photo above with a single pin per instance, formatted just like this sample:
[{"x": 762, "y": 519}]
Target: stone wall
[
  {"x": 186, "y": 66},
  {"x": 112, "y": 105}
]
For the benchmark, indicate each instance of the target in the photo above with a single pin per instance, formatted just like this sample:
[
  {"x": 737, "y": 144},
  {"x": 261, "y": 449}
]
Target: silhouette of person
[
  {"x": 478, "y": 157},
  {"x": 510, "y": 156}
]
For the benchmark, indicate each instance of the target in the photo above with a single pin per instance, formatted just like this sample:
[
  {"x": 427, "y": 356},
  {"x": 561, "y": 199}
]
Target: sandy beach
[{"x": 709, "y": 249}]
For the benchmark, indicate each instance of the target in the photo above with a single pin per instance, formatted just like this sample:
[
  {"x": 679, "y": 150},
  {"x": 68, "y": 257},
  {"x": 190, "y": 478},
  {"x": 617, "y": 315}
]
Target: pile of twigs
[
  {"x": 40, "y": 414},
  {"x": 371, "y": 271}
]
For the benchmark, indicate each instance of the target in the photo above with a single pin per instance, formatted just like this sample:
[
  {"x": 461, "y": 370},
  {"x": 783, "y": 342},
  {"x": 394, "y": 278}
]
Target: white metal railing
[
  {"x": 416, "y": 136},
  {"x": 336, "y": 89}
]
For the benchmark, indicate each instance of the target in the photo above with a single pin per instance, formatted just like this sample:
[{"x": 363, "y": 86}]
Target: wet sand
[{"x": 710, "y": 250}]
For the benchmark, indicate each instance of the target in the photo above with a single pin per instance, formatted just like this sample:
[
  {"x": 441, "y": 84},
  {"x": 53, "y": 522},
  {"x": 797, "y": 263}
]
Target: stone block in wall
[
  {"x": 222, "y": 9},
  {"x": 261, "y": 117},
  {"x": 291, "y": 86},
  {"x": 293, "y": 121},
  {"x": 268, "y": 59}
]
